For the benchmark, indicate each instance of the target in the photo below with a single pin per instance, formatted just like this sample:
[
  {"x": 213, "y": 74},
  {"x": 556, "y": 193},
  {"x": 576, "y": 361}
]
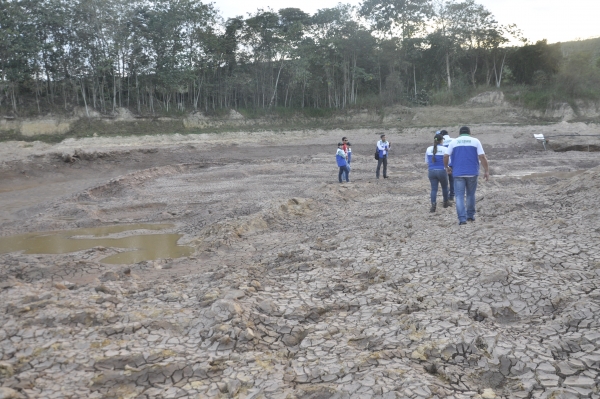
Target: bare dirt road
[{"x": 297, "y": 286}]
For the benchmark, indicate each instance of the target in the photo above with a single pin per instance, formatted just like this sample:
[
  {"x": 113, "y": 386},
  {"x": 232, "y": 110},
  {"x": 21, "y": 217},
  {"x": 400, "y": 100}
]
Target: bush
[
  {"x": 443, "y": 97},
  {"x": 461, "y": 92},
  {"x": 579, "y": 78}
]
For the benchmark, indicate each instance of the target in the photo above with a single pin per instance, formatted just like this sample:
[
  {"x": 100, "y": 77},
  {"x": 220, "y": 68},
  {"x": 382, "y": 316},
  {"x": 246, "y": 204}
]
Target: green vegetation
[
  {"x": 572, "y": 77},
  {"x": 172, "y": 57},
  {"x": 169, "y": 57}
]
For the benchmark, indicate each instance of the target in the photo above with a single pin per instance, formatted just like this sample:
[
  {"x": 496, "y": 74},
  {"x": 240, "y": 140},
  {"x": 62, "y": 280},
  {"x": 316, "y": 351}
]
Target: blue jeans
[
  {"x": 468, "y": 186},
  {"x": 344, "y": 172},
  {"x": 438, "y": 176}
]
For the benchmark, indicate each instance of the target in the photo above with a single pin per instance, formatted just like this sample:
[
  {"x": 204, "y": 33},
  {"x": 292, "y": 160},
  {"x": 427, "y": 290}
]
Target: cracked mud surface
[{"x": 301, "y": 287}]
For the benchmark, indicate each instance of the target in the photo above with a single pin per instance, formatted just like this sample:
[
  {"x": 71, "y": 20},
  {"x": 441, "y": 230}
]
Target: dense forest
[{"x": 175, "y": 56}]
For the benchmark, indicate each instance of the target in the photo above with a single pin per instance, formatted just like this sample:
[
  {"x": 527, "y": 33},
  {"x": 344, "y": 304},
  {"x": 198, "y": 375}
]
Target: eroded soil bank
[{"x": 299, "y": 286}]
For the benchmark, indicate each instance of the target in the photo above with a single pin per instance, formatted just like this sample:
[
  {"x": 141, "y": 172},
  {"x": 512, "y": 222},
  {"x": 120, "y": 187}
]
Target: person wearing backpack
[
  {"x": 383, "y": 147},
  {"x": 342, "y": 163}
]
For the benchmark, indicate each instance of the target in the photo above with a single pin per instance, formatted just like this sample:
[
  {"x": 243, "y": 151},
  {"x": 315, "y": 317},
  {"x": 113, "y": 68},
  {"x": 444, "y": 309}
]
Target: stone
[
  {"x": 105, "y": 290},
  {"x": 290, "y": 340},
  {"x": 267, "y": 306},
  {"x": 225, "y": 309},
  {"x": 6, "y": 370},
  {"x": 9, "y": 393},
  {"x": 234, "y": 294}
]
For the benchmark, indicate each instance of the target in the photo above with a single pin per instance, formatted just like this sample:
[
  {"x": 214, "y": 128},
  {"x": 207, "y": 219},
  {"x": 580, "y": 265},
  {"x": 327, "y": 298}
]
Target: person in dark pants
[
  {"x": 434, "y": 157},
  {"x": 447, "y": 141},
  {"x": 342, "y": 163},
  {"x": 383, "y": 146}
]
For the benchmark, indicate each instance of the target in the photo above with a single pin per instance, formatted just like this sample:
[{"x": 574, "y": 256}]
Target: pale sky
[{"x": 555, "y": 20}]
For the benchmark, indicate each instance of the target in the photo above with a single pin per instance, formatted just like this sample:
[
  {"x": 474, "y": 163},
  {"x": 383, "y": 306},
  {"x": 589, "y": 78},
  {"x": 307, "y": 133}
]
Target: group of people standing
[{"x": 453, "y": 164}]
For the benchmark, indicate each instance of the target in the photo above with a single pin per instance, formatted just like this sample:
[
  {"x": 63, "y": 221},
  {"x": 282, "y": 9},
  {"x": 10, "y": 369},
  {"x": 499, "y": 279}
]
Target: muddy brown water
[{"x": 141, "y": 247}]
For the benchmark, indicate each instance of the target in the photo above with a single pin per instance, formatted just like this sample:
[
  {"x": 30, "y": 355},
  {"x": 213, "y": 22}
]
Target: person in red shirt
[{"x": 347, "y": 151}]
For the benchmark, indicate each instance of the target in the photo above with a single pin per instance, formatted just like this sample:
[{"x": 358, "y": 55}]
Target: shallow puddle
[{"x": 142, "y": 246}]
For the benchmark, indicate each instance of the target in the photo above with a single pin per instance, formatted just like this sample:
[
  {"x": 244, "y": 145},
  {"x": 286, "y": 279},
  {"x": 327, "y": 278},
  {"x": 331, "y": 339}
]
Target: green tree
[{"x": 526, "y": 60}]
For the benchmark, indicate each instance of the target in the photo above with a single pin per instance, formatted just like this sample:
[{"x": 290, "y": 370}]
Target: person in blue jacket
[
  {"x": 467, "y": 155},
  {"x": 434, "y": 157},
  {"x": 342, "y": 163}
]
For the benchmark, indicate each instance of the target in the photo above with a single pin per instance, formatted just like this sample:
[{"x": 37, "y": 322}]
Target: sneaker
[
  {"x": 470, "y": 220},
  {"x": 462, "y": 223},
  {"x": 446, "y": 204},
  {"x": 385, "y": 177},
  {"x": 433, "y": 206}
]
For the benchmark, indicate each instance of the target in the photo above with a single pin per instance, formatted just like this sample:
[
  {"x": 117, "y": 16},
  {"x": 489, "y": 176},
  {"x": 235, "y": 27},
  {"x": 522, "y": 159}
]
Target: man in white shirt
[
  {"x": 383, "y": 147},
  {"x": 467, "y": 153}
]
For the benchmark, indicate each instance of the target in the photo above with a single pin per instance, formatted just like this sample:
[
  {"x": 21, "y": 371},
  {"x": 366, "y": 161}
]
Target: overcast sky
[{"x": 555, "y": 20}]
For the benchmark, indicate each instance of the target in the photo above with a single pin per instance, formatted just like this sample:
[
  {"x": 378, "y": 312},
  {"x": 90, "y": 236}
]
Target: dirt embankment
[
  {"x": 300, "y": 286},
  {"x": 488, "y": 107}
]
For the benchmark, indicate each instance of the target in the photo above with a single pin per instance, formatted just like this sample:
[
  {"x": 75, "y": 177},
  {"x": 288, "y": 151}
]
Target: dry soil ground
[{"x": 301, "y": 287}]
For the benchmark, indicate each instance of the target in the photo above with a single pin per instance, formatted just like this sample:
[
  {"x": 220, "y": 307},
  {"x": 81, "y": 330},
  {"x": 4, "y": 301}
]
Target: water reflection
[{"x": 143, "y": 246}]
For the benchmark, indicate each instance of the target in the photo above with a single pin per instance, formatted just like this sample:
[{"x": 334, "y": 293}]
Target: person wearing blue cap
[{"x": 466, "y": 153}]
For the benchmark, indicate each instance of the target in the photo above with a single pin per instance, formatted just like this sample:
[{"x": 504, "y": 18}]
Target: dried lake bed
[{"x": 296, "y": 286}]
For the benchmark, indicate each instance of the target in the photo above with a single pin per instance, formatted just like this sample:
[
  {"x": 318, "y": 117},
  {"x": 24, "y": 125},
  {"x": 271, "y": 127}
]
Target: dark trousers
[
  {"x": 451, "y": 184},
  {"x": 379, "y": 162}
]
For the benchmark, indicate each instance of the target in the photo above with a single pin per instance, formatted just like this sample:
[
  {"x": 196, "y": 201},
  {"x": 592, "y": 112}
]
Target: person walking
[
  {"x": 447, "y": 141},
  {"x": 348, "y": 152},
  {"x": 466, "y": 153},
  {"x": 434, "y": 157},
  {"x": 342, "y": 163},
  {"x": 383, "y": 147}
]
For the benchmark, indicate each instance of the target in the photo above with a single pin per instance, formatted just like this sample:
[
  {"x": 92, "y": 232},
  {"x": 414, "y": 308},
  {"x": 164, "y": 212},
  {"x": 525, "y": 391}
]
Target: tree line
[{"x": 169, "y": 56}]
